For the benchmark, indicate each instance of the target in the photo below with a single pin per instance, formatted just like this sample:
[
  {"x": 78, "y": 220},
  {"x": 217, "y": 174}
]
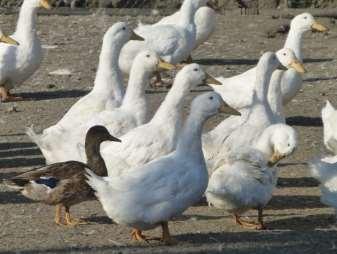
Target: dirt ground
[{"x": 297, "y": 221}]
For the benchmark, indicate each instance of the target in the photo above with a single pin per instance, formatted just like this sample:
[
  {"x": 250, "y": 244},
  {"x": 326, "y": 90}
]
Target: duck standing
[
  {"x": 149, "y": 196},
  {"x": 21, "y": 62},
  {"x": 63, "y": 184}
]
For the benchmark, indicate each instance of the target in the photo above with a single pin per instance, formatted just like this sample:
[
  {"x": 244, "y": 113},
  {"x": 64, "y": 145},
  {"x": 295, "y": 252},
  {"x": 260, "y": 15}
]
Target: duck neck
[
  {"x": 190, "y": 138},
  {"x": 170, "y": 110},
  {"x": 294, "y": 42},
  {"x": 275, "y": 96},
  {"x": 94, "y": 158},
  {"x": 108, "y": 77},
  {"x": 26, "y": 26},
  {"x": 264, "y": 144},
  {"x": 187, "y": 12},
  {"x": 134, "y": 99}
]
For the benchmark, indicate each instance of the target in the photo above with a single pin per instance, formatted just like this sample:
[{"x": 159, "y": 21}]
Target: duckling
[
  {"x": 150, "y": 195},
  {"x": 21, "y": 62},
  {"x": 63, "y": 184}
]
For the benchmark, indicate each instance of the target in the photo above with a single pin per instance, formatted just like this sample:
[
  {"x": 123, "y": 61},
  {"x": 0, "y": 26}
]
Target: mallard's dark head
[{"x": 99, "y": 134}]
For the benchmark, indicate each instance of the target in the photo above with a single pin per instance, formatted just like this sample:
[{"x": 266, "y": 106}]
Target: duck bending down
[
  {"x": 247, "y": 178},
  {"x": 172, "y": 42},
  {"x": 325, "y": 171},
  {"x": 20, "y": 62},
  {"x": 329, "y": 118},
  {"x": 236, "y": 132},
  {"x": 107, "y": 92},
  {"x": 63, "y": 184},
  {"x": 159, "y": 136},
  {"x": 150, "y": 195},
  {"x": 132, "y": 113},
  {"x": 291, "y": 81}
]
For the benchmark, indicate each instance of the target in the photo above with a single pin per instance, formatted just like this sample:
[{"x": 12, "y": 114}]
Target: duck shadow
[
  {"x": 101, "y": 220},
  {"x": 24, "y": 152},
  {"x": 49, "y": 95},
  {"x": 312, "y": 80},
  {"x": 13, "y": 198},
  {"x": 304, "y": 121},
  {"x": 306, "y": 223},
  {"x": 297, "y": 182},
  {"x": 294, "y": 202},
  {"x": 15, "y": 145}
]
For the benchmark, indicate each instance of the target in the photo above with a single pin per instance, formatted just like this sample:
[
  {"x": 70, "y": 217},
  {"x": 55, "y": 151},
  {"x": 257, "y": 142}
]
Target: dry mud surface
[{"x": 297, "y": 221}]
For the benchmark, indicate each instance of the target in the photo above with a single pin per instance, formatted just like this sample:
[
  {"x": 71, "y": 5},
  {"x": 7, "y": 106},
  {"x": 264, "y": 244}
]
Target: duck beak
[
  {"x": 275, "y": 159},
  {"x": 297, "y": 66},
  {"x": 136, "y": 37},
  {"x": 225, "y": 108},
  {"x": 45, "y": 4},
  {"x": 112, "y": 138},
  {"x": 319, "y": 27},
  {"x": 162, "y": 65},
  {"x": 8, "y": 40},
  {"x": 212, "y": 81}
]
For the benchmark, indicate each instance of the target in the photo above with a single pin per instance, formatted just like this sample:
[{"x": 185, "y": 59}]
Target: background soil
[{"x": 297, "y": 221}]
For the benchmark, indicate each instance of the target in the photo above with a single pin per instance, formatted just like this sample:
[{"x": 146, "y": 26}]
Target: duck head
[
  {"x": 283, "y": 142},
  {"x": 151, "y": 62},
  {"x": 98, "y": 134},
  {"x": 46, "y": 4},
  {"x": 120, "y": 32},
  {"x": 210, "y": 104},
  {"x": 306, "y": 22},
  {"x": 289, "y": 60},
  {"x": 7, "y": 39}
]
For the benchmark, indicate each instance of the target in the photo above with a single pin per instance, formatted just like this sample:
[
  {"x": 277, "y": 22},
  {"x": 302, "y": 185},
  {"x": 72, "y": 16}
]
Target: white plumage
[{"x": 329, "y": 118}]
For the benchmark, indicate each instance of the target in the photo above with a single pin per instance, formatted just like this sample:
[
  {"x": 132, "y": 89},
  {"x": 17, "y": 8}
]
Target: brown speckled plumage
[{"x": 71, "y": 187}]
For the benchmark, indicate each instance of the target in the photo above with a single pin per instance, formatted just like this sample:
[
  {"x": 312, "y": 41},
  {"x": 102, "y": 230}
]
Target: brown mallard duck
[{"x": 64, "y": 184}]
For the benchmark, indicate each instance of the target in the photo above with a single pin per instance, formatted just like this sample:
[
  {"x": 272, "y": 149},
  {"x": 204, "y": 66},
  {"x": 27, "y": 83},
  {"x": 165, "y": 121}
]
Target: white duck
[
  {"x": 159, "y": 136},
  {"x": 204, "y": 18},
  {"x": 21, "y": 62},
  {"x": 248, "y": 177},
  {"x": 107, "y": 92},
  {"x": 172, "y": 42},
  {"x": 150, "y": 195},
  {"x": 132, "y": 113},
  {"x": 241, "y": 131},
  {"x": 325, "y": 171},
  {"x": 329, "y": 118},
  {"x": 291, "y": 81}
]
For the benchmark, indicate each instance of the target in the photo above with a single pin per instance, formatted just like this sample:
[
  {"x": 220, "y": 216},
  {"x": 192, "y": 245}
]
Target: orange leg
[
  {"x": 167, "y": 238},
  {"x": 5, "y": 95},
  {"x": 58, "y": 215},
  {"x": 248, "y": 224},
  {"x": 137, "y": 235},
  {"x": 70, "y": 221}
]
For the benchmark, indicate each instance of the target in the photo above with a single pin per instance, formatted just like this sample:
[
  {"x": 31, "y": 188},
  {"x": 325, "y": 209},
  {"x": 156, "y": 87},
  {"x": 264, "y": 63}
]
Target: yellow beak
[
  {"x": 212, "y": 81},
  {"x": 297, "y": 66},
  {"x": 225, "y": 108},
  {"x": 136, "y": 37},
  {"x": 165, "y": 65},
  {"x": 319, "y": 27},
  {"x": 275, "y": 159},
  {"x": 8, "y": 40},
  {"x": 45, "y": 4}
]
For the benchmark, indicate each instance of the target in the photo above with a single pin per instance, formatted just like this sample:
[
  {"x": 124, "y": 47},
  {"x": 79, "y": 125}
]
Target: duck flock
[{"x": 147, "y": 170}]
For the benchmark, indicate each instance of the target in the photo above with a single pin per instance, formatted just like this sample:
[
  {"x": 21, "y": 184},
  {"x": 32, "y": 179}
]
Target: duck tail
[
  {"x": 36, "y": 138},
  {"x": 15, "y": 184},
  {"x": 96, "y": 182},
  {"x": 321, "y": 170}
]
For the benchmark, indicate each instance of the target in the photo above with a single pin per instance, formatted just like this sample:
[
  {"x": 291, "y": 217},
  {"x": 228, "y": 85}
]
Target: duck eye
[
  {"x": 124, "y": 28},
  {"x": 284, "y": 54},
  {"x": 196, "y": 69},
  {"x": 211, "y": 98},
  {"x": 305, "y": 17},
  {"x": 148, "y": 56}
]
